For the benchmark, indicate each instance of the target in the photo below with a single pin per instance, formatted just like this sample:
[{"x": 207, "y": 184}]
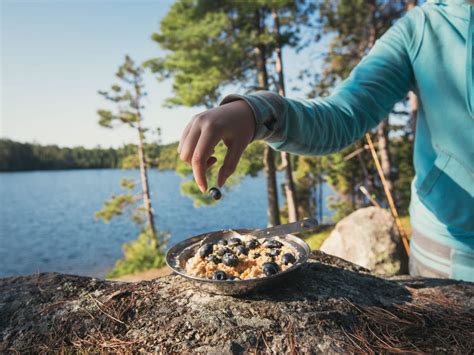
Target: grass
[
  {"x": 315, "y": 240},
  {"x": 405, "y": 220}
]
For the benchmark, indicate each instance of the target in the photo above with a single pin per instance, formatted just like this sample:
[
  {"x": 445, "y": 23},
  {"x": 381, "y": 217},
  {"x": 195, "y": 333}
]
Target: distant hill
[{"x": 16, "y": 156}]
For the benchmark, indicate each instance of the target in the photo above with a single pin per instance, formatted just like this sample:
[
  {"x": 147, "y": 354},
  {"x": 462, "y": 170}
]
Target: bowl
[{"x": 179, "y": 254}]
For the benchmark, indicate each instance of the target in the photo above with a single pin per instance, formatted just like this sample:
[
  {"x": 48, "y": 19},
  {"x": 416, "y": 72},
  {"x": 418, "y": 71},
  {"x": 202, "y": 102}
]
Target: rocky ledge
[{"x": 328, "y": 305}]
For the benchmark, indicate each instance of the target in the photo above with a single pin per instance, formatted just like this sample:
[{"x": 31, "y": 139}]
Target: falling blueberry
[
  {"x": 241, "y": 250},
  {"x": 206, "y": 249},
  {"x": 230, "y": 259},
  {"x": 288, "y": 259},
  {"x": 272, "y": 243},
  {"x": 213, "y": 259},
  {"x": 234, "y": 242},
  {"x": 215, "y": 193},
  {"x": 219, "y": 275},
  {"x": 252, "y": 243},
  {"x": 270, "y": 268}
]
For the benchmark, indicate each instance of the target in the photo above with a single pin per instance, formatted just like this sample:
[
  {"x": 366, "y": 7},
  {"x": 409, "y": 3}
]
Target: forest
[{"x": 16, "y": 156}]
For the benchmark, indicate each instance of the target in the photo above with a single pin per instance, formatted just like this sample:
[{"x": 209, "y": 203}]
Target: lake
[{"x": 47, "y": 217}]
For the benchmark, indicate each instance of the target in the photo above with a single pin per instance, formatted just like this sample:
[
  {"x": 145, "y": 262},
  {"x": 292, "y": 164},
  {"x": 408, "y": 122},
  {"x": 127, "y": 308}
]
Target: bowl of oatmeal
[{"x": 234, "y": 262}]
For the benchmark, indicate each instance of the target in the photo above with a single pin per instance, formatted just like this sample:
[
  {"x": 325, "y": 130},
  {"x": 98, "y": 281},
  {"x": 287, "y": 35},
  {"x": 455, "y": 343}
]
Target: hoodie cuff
[{"x": 268, "y": 109}]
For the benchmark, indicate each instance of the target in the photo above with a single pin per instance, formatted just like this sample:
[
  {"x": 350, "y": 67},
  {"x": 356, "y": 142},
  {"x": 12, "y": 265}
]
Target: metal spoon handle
[{"x": 282, "y": 229}]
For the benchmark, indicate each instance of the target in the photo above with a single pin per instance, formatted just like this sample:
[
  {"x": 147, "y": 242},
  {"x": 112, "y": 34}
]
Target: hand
[{"x": 233, "y": 123}]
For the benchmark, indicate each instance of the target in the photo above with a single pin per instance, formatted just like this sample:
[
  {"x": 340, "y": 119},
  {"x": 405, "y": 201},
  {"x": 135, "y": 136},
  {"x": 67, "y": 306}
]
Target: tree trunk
[
  {"x": 290, "y": 190},
  {"x": 144, "y": 174},
  {"x": 383, "y": 141},
  {"x": 273, "y": 210},
  {"x": 365, "y": 172},
  {"x": 382, "y": 130},
  {"x": 146, "y": 189}
]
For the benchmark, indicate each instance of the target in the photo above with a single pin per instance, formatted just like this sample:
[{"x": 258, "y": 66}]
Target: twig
[
  {"x": 355, "y": 152},
  {"x": 264, "y": 340},
  {"x": 393, "y": 209},
  {"x": 104, "y": 312},
  {"x": 367, "y": 194}
]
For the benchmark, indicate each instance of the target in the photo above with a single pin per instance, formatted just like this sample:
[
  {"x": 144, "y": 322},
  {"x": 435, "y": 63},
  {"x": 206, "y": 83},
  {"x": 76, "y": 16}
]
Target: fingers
[
  {"x": 202, "y": 157},
  {"x": 231, "y": 160},
  {"x": 184, "y": 135},
  {"x": 189, "y": 144}
]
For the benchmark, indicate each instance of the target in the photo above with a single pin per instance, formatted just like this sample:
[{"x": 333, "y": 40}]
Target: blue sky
[{"x": 56, "y": 55}]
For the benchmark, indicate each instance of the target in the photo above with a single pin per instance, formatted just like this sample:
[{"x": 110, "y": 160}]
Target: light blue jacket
[{"x": 429, "y": 51}]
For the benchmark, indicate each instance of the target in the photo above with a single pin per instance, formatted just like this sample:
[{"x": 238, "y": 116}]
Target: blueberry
[
  {"x": 230, "y": 259},
  {"x": 215, "y": 193},
  {"x": 206, "y": 249},
  {"x": 213, "y": 259},
  {"x": 222, "y": 242},
  {"x": 222, "y": 251},
  {"x": 241, "y": 250},
  {"x": 219, "y": 275},
  {"x": 288, "y": 259},
  {"x": 234, "y": 242},
  {"x": 252, "y": 243},
  {"x": 256, "y": 255},
  {"x": 272, "y": 243},
  {"x": 273, "y": 252},
  {"x": 270, "y": 268}
]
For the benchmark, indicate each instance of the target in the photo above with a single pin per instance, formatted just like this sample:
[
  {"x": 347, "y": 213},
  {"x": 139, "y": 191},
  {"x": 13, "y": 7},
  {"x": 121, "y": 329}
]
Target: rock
[
  {"x": 368, "y": 237},
  {"x": 329, "y": 305}
]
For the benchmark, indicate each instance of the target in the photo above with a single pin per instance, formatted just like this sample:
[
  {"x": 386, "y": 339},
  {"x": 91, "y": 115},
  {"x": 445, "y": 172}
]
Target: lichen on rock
[{"x": 327, "y": 305}]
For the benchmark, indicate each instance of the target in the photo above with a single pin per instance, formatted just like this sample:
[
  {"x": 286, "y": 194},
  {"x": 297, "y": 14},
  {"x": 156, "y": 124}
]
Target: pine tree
[
  {"x": 355, "y": 26},
  {"x": 127, "y": 98},
  {"x": 289, "y": 187}
]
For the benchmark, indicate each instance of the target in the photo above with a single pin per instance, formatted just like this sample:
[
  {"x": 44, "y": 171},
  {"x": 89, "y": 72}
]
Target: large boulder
[
  {"x": 327, "y": 306},
  {"x": 368, "y": 237}
]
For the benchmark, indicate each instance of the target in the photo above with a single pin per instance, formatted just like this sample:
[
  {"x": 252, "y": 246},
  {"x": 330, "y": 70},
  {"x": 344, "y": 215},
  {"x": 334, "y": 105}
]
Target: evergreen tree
[
  {"x": 354, "y": 27},
  {"x": 214, "y": 44},
  {"x": 211, "y": 45},
  {"x": 127, "y": 97},
  {"x": 289, "y": 187}
]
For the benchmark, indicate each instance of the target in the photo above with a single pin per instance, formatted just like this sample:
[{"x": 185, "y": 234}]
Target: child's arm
[{"x": 309, "y": 126}]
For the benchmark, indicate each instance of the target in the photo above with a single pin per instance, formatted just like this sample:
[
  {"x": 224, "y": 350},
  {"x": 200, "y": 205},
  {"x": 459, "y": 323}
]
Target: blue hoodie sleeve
[{"x": 358, "y": 104}]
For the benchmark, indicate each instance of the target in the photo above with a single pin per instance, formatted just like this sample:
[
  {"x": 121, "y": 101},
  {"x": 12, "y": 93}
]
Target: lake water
[{"x": 47, "y": 217}]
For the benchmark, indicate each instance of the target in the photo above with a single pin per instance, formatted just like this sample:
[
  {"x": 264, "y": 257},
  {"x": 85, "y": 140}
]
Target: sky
[{"x": 56, "y": 55}]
